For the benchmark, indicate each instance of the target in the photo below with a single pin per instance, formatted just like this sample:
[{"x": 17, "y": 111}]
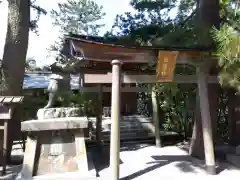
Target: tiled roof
[
  {"x": 41, "y": 81},
  {"x": 115, "y": 41}
]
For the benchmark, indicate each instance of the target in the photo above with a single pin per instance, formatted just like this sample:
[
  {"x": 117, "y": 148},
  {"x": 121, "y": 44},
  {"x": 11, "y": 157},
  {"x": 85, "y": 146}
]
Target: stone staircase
[
  {"x": 131, "y": 128},
  {"x": 228, "y": 153},
  {"x": 234, "y": 157}
]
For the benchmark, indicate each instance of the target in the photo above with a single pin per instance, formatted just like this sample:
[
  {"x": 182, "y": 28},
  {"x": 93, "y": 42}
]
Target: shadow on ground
[
  {"x": 11, "y": 172},
  {"x": 185, "y": 163},
  {"x": 219, "y": 156},
  {"x": 101, "y": 156}
]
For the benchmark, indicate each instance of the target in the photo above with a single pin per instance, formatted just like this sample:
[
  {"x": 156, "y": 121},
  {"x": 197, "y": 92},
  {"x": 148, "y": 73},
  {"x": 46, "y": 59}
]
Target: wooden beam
[
  {"x": 144, "y": 60},
  {"x": 108, "y": 89},
  {"x": 127, "y": 78}
]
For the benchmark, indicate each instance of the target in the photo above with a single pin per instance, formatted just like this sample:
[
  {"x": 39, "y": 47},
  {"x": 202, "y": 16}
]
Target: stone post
[
  {"x": 206, "y": 120},
  {"x": 115, "y": 118}
]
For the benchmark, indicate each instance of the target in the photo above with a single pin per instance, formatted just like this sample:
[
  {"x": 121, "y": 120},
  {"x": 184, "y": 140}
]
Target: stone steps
[
  {"x": 127, "y": 135},
  {"x": 131, "y": 127},
  {"x": 131, "y": 122},
  {"x": 233, "y": 159},
  {"x": 231, "y": 154}
]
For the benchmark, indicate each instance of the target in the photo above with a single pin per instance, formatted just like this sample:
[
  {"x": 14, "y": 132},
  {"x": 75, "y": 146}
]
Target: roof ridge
[{"x": 101, "y": 40}]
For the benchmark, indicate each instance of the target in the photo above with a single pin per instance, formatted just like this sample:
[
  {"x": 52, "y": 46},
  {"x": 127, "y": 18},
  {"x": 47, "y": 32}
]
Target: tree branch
[
  {"x": 33, "y": 23},
  {"x": 180, "y": 24}
]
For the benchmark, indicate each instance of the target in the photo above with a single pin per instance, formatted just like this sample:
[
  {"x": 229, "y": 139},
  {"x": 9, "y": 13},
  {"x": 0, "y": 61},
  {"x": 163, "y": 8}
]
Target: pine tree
[
  {"x": 228, "y": 48},
  {"x": 77, "y": 17}
]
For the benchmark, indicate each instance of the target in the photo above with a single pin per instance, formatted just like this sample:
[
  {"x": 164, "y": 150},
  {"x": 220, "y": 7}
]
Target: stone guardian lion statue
[{"x": 59, "y": 85}]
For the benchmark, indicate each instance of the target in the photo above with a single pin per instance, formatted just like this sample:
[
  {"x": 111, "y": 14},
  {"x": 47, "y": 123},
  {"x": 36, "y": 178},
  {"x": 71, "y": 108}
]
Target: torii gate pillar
[
  {"x": 206, "y": 120},
  {"x": 115, "y": 118}
]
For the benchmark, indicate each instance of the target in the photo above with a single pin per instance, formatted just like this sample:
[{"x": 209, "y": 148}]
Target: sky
[{"x": 38, "y": 44}]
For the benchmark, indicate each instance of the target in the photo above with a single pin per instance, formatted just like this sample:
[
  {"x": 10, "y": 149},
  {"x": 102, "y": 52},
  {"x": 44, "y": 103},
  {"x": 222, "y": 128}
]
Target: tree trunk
[
  {"x": 14, "y": 57},
  {"x": 207, "y": 18}
]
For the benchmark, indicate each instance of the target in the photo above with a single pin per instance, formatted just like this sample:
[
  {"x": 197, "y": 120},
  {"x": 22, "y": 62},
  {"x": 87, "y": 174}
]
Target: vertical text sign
[{"x": 166, "y": 65}]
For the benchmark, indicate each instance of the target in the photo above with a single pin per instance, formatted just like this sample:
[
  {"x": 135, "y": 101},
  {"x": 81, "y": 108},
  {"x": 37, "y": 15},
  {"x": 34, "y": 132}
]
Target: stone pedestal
[
  {"x": 63, "y": 112},
  {"x": 56, "y": 145}
]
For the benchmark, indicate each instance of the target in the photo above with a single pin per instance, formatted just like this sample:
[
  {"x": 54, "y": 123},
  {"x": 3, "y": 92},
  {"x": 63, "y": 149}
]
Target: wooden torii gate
[{"x": 117, "y": 64}]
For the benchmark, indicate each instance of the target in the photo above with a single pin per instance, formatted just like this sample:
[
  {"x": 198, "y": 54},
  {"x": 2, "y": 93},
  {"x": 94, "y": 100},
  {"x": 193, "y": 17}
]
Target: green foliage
[
  {"x": 176, "y": 106},
  {"x": 228, "y": 44},
  {"x": 228, "y": 41},
  {"x": 228, "y": 53},
  {"x": 178, "y": 103},
  {"x": 150, "y": 5},
  {"x": 30, "y": 65},
  {"x": 40, "y": 11},
  {"x": 32, "y": 103},
  {"x": 78, "y": 17},
  {"x": 222, "y": 122},
  {"x": 86, "y": 101},
  {"x": 151, "y": 24}
]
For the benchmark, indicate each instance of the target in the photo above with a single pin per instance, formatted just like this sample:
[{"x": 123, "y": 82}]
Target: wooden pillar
[
  {"x": 196, "y": 145},
  {"x": 81, "y": 80},
  {"x": 115, "y": 118},
  {"x": 5, "y": 141},
  {"x": 81, "y": 85},
  {"x": 155, "y": 117},
  {"x": 206, "y": 120},
  {"x": 99, "y": 116}
]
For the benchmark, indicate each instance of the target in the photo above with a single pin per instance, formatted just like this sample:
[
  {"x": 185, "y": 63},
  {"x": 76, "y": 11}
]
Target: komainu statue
[{"x": 59, "y": 85}]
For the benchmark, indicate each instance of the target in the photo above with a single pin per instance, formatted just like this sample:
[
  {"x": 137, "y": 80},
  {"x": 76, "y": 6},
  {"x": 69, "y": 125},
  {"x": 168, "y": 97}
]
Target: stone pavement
[
  {"x": 165, "y": 163},
  {"x": 142, "y": 162}
]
